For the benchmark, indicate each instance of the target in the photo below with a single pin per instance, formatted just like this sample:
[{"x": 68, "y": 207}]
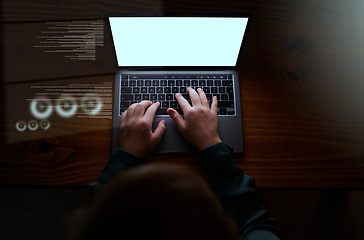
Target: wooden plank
[{"x": 42, "y": 10}]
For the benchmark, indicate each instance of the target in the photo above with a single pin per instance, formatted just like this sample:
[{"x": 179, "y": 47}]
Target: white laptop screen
[{"x": 177, "y": 41}]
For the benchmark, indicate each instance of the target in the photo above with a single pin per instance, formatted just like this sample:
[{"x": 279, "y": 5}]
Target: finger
[
  {"x": 140, "y": 108},
  {"x": 203, "y": 97},
  {"x": 182, "y": 102},
  {"x": 150, "y": 113},
  {"x": 195, "y": 99},
  {"x": 176, "y": 117},
  {"x": 214, "y": 104},
  {"x": 131, "y": 110},
  {"x": 122, "y": 118},
  {"x": 124, "y": 114},
  {"x": 159, "y": 131}
]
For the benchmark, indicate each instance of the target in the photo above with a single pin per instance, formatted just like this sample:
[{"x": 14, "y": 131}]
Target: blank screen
[{"x": 177, "y": 41}]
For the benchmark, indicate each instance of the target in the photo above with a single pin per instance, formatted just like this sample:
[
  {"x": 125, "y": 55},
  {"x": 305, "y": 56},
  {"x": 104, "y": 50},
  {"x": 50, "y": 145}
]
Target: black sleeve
[
  {"x": 238, "y": 195},
  {"x": 118, "y": 161}
]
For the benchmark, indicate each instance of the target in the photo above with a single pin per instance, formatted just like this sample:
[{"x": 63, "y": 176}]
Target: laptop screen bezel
[{"x": 243, "y": 42}]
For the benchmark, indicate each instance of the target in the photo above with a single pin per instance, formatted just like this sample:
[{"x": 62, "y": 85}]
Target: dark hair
[{"x": 154, "y": 202}]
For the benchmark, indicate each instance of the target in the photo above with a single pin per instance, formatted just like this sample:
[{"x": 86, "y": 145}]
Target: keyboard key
[
  {"x": 126, "y": 97},
  {"x": 175, "y": 90},
  {"x": 137, "y": 97},
  {"x": 143, "y": 90},
  {"x": 145, "y": 97},
  {"x": 140, "y": 83},
  {"x": 222, "y": 90},
  {"x": 186, "y": 83},
  {"x": 171, "y": 83},
  {"x": 159, "y": 89},
  {"x": 126, "y": 90},
  {"x": 230, "y": 90},
  {"x": 227, "y": 83},
  {"x": 169, "y": 97},
  {"x": 167, "y": 89},
  {"x": 222, "y": 111},
  {"x": 231, "y": 97},
  {"x": 153, "y": 97},
  {"x": 148, "y": 83},
  {"x": 202, "y": 83},
  {"x": 161, "y": 97},
  {"x": 173, "y": 104},
  {"x": 165, "y": 104},
  {"x": 182, "y": 90},
  {"x": 178, "y": 83},
  {"x": 224, "y": 97},
  {"x": 161, "y": 111},
  {"x": 210, "y": 83},
  {"x": 151, "y": 90},
  {"x": 124, "y": 104},
  {"x": 124, "y": 83},
  {"x": 155, "y": 83},
  {"x": 163, "y": 83},
  {"x": 226, "y": 104},
  {"x": 213, "y": 89},
  {"x": 217, "y": 83},
  {"x": 206, "y": 89},
  {"x": 136, "y": 90},
  {"x": 194, "y": 83},
  {"x": 231, "y": 112},
  {"x": 209, "y": 97},
  {"x": 132, "y": 83}
]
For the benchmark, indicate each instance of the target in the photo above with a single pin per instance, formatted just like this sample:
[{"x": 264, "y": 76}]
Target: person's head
[{"x": 154, "y": 201}]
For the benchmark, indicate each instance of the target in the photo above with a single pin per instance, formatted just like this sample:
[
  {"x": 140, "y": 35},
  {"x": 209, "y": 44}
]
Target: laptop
[{"x": 160, "y": 56}]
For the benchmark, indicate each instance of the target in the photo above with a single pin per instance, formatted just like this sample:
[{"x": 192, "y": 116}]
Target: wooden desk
[{"x": 302, "y": 81}]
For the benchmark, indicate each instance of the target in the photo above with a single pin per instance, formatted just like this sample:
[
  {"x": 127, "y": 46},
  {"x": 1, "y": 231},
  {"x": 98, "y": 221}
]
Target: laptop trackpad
[{"x": 172, "y": 141}]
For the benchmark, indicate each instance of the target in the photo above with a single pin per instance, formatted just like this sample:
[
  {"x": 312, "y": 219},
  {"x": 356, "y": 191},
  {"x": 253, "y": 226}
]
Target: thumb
[
  {"x": 176, "y": 117},
  {"x": 159, "y": 131}
]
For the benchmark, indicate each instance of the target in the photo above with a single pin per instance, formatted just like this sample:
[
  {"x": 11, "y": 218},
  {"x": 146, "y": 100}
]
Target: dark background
[{"x": 38, "y": 213}]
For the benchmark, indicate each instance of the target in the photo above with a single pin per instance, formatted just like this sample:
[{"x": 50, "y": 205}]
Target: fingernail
[{"x": 178, "y": 94}]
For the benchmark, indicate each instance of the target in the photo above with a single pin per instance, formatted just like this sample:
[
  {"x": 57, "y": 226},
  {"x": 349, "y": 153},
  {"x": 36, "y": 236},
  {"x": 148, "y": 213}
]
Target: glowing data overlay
[{"x": 177, "y": 41}]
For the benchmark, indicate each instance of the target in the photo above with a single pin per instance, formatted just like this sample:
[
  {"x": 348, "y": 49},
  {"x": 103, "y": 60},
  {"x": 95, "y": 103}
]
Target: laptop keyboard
[{"x": 162, "y": 88}]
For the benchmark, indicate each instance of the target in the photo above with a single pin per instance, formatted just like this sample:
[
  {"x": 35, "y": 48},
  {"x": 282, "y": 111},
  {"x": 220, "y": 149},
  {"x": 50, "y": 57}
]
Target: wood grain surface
[{"x": 301, "y": 78}]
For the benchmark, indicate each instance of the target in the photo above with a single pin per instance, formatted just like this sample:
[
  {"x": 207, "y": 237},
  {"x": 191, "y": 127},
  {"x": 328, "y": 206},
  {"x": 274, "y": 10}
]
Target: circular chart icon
[
  {"x": 21, "y": 126},
  {"x": 41, "y": 107},
  {"x": 44, "y": 124},
  {"x": 91, "y": 103},
  {"x": 66, "y": 106},
  {"x": 33, "y": 125}
]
